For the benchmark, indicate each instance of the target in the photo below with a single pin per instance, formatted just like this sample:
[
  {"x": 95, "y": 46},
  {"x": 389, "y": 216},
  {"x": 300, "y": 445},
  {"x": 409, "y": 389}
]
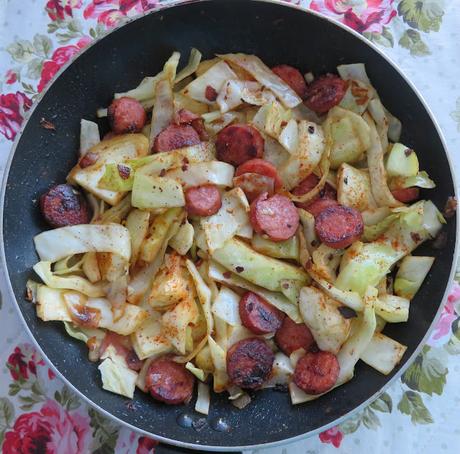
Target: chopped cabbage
[
  {"x": 350, "y": 136},
  {"x": 372, "y": 232},
  {"x": 320, "y": 313},
  {"x": 378, "y": 113},
  {"x": 156, "y": 192},
  {"x": 421, "y": 180},
  {"x": 219, "y": 274},
  {"x": 359, "y": 340},
  {"x": 308, "y": 223},
  {"x": 374, "y": 260},
  {"x": 392, "y": 308},
  {"x": 402, "y": 162},
  {"x": 235, "y": 92},
  {"x": 203, "y": 399},
  {"x": 215, "y": 77},
  {"x": 171, "y": 284},
  {"x": 326, "y": 261},
  {"x": 163, "y": 109},
  {"x": 83, "y": 334},
  {"x": 274, "y": 151},
  {"x": 226, "y": 306},
  {"x": 80, "y": 284},
  {"x": 116, "y": 376},
  {"x": 176, "y": 321},
  {"x": 264, "y": 271},
  {"x": 117, "y": 150},
  {"x": 311, "y": 146},
  {"x": 182, "y": 241},
  {"x": 199, "y": 373},
  {"x": 282, "y": 371},
  {"x": 377, "y": 173},
  {"x": 56, "y": 244},
  {"x": 89, "y": 136},
  {"x": 218, "y": 355},
  {"x": 212, "y": 172},
  {"x": 138, "y": 225},
  {"x": 354, "y": 188},
  {"x": 289, "y": 136},
  {"x": 357, "y": 96},
  {"x": 148, "y": 340},
  {"x": 227, "y": 222},
  {"x": 375, "y": 215},
  {"x": 288, "y": 249},
  {"x": 411, "y": 274},
  {"x": 192, "y": 65},
  {"x": 275, "y": 117},
  {"x": 290, "y": 288},
  {"x": 354, "y": 71},
  {"x": 350, "y": 299},
  {"x": 383, "y": 353},
  {"x": 262, "y": 73}
]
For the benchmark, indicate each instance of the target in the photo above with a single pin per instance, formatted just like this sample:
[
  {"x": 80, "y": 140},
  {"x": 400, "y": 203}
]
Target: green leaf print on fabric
[
  {"x": 6, "y": 417},
  {"x": 351, "y": 425},
  {"x": 412, "y": 404},
  {"x": 67, "y": 399},
  {"x": 427, "y": 373},
  {"x": 384, "y": 39},
  {"x": 105, "y": 433},
  {"x": 455, "y": 115},
  {"x": 383, "y": 404},
  {"x": 21, "y": 51},
  {"x": 453, "y": 346},
  {"x": 370, "y": 419},
  {"x": 424, "y": 15},
  {"x": 412, "y": 40},
  {"x": 42, "y": 45}
]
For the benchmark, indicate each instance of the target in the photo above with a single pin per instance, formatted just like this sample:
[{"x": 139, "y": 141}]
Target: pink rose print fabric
[{"x": 361, "y": 15}]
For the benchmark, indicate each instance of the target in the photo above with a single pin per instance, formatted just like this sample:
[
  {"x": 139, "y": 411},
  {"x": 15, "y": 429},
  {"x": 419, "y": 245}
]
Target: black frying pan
[{"x": 278, "y": 34}]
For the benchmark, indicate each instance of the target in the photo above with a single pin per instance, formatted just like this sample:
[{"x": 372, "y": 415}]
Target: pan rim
[{"x": 220, "y": 448}]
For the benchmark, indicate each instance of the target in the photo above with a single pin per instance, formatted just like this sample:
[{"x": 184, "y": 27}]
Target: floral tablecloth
[{"x": 419, "y": 413}]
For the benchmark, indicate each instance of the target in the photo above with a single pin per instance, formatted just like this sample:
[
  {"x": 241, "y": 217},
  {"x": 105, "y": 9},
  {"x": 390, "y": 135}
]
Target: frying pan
[{"x": 278, "y": 34}]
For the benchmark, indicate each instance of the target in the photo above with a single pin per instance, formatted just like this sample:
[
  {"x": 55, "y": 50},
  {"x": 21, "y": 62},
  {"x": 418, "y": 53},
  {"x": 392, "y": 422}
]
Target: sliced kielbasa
[
  {"x": 239, "y": 143},
  {"x": 261, "y": 167},
  {"x": 249, "y": 363},
  {"x": 406, "y": 195},
  {"x": 291, "y": 336},
  {"x": 185, "y": 117},
  {"x": 63, "y": 205},
  {"x": 203, "y": 200},
  {"x": 316, "y": 373},
  {"x": 293, "y": 77},
  {"x": 126, "y": 115},
  {"x": 258, "y": 315},
  {"x": 274, "y": 216},
  {"x": 169, "y": 381},
  {"x": 339, "y": 226},
  {"x": 326, "y": 198},
  {"x": 254, "y": 184},
  {"x": 174, "y": 137},
  {"x": 325, "y": 92}
]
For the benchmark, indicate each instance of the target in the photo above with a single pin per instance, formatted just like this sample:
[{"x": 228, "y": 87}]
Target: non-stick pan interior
[{"x": 278, "y": 34}]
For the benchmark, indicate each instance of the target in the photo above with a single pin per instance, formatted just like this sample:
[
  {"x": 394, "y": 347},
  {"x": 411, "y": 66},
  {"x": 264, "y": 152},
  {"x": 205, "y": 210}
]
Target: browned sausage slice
[
  {"x": 185, "y": 117},
  {"x": 261, "y": 167},
  {"x": 325, "y": 92},
  {"x": 249, "y": 363},
  {"x": 276, "y": 217},
  {"x": 339, "y": 226},
  {"x": 258, "y": 315},
  {"x": 316, "y": 373},
  {"x": 63, "y": 205},
  {"x": 126, "y": 115},
  {"x": 254, "y": 184},
  {"x": 169, "y": 381},
  {"x": 174, "y": 137},
  {"x": 203, "y": 200},
  {"x": 406, "y": 195},
  {"x": 239, "y": 143},
  {"x": 293, "y": 77},
  {"x": 326, "y": 198},
  {"x": 291, "y": 336}
]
